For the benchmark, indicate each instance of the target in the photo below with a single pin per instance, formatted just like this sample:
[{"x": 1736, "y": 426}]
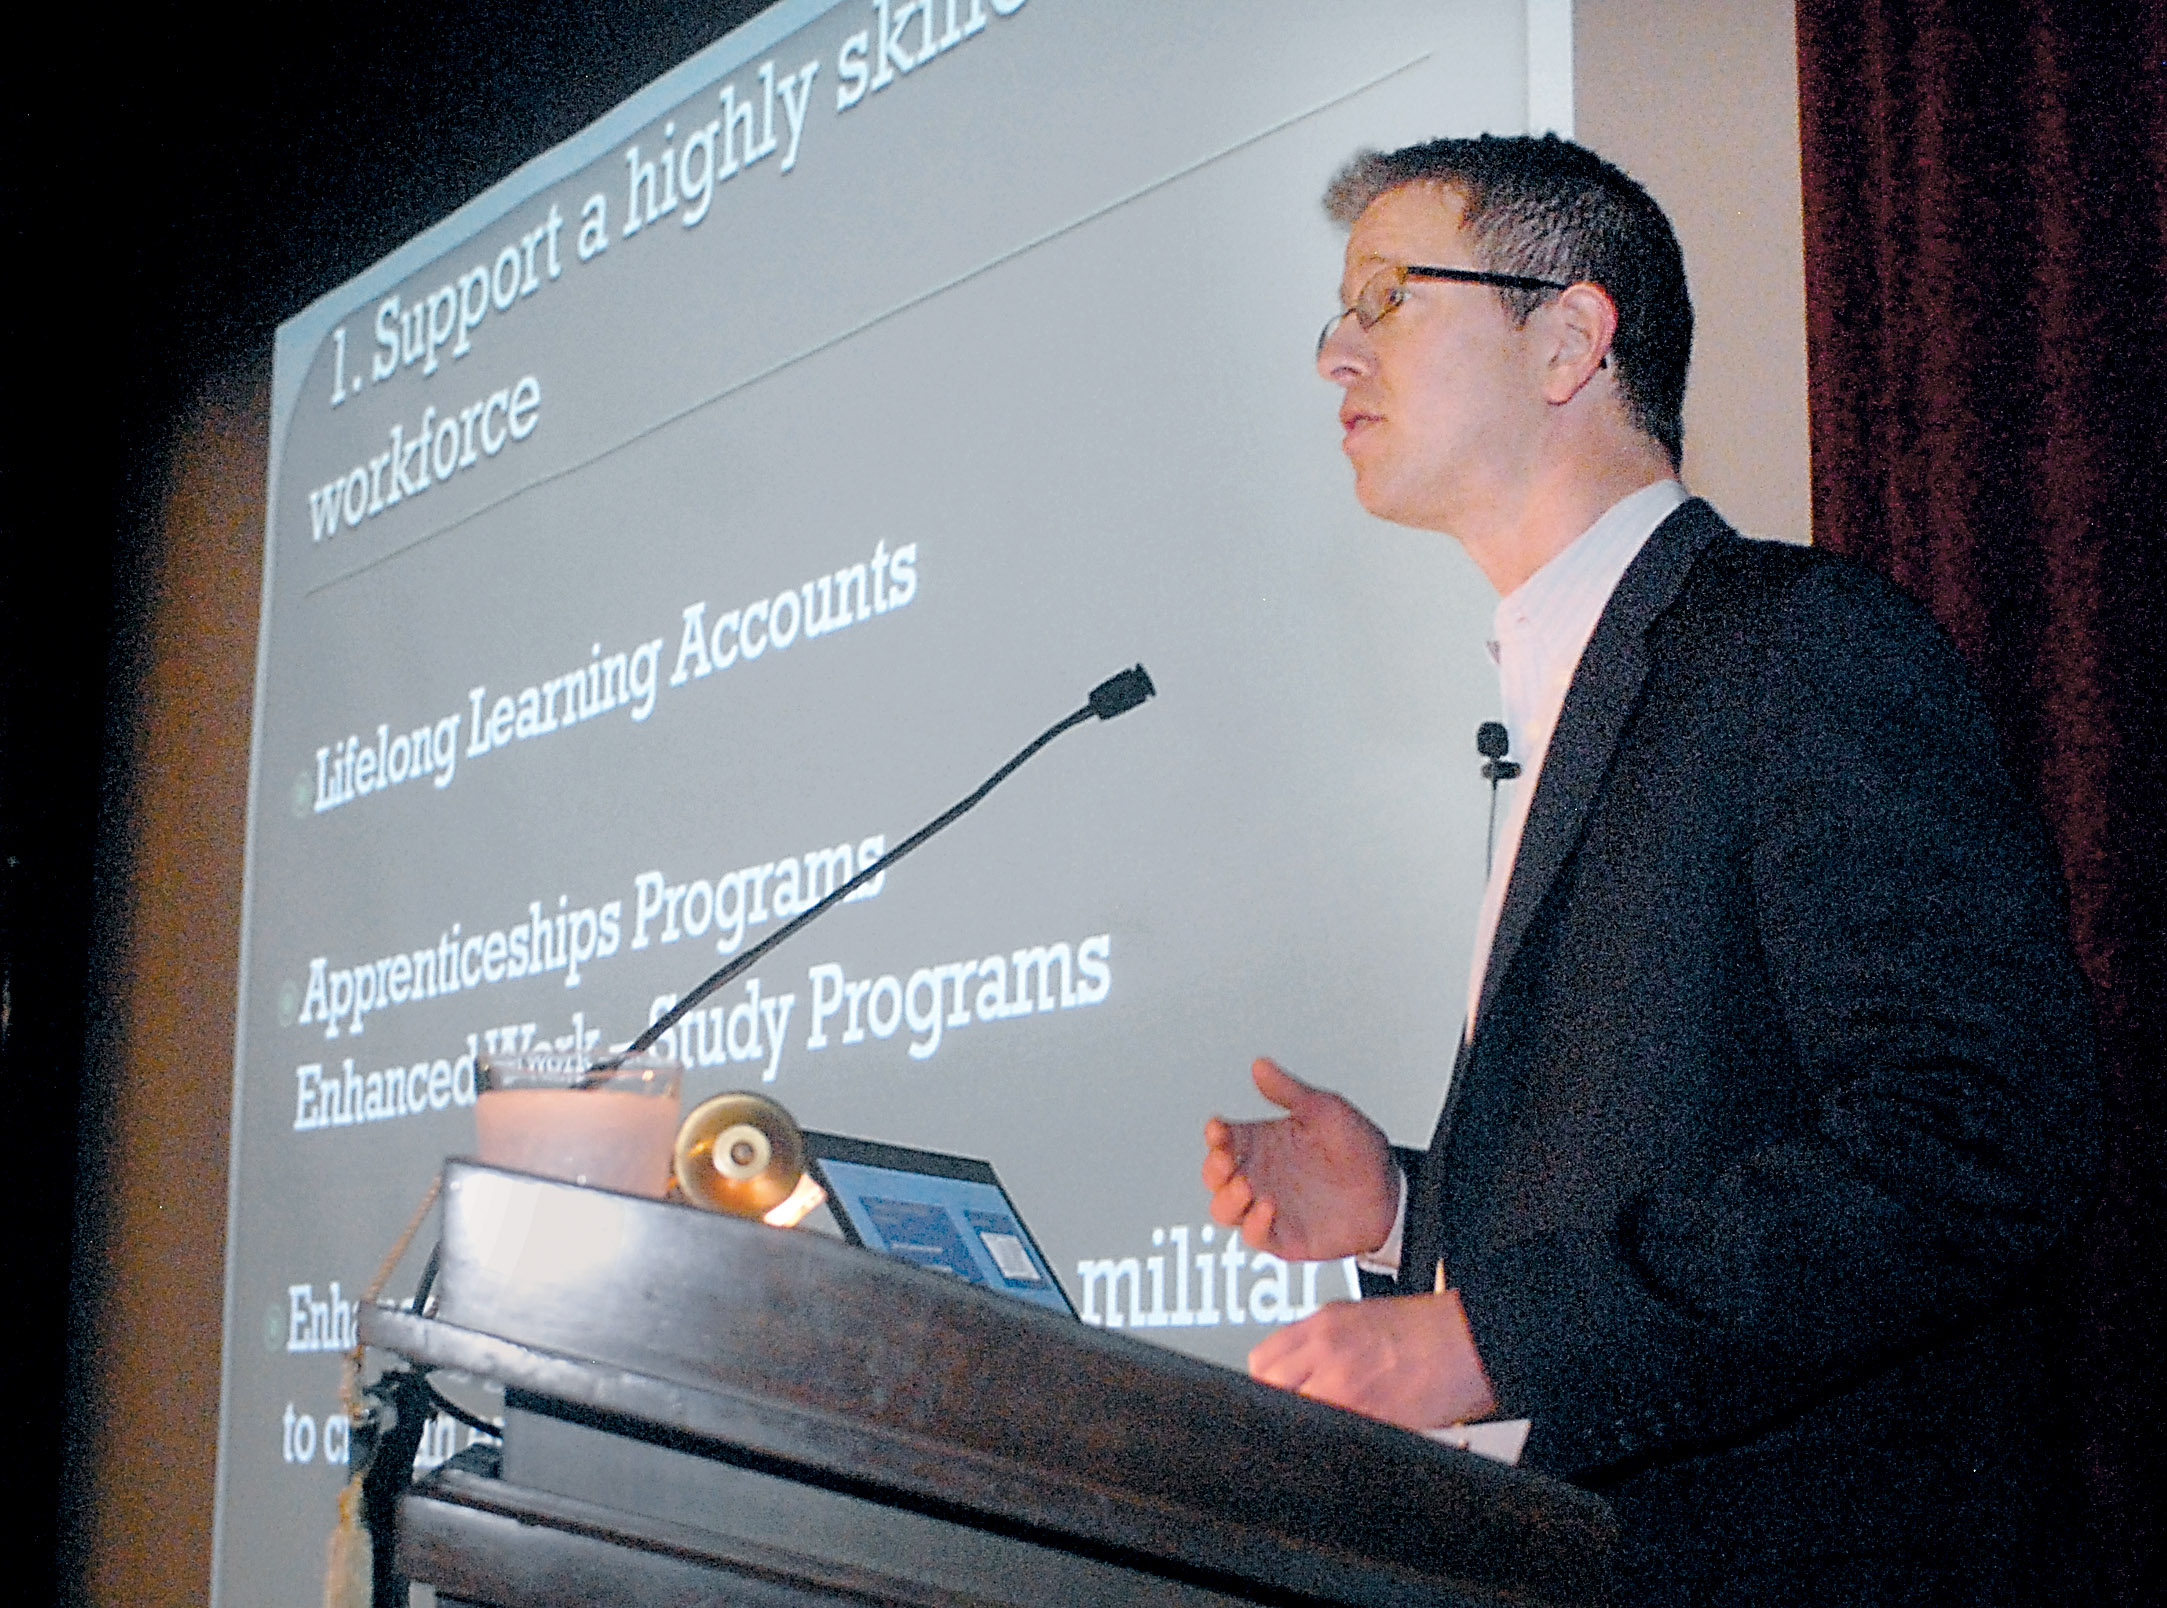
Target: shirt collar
[{"x": 1559, "y": 604}]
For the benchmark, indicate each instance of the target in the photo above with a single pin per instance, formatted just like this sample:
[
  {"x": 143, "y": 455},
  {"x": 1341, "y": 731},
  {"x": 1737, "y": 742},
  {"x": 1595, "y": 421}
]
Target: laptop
[{"x": 947, "y": 1213}]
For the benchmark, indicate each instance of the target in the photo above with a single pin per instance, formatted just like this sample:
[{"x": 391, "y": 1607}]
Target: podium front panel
[{"x": 760, "y": 1387}]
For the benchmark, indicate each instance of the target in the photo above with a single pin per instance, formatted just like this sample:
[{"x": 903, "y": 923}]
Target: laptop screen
[{"x": 947, "y": 1213}]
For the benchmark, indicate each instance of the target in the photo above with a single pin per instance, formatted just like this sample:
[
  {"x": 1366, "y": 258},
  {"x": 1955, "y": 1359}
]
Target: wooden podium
[{"x": 700, "y": 1410}]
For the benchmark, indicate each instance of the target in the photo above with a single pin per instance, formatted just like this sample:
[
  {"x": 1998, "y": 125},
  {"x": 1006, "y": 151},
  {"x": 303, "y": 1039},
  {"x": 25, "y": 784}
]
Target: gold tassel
[
  {"x": 348, "y": 1579},
  {"x": 349, "y": 1568}
]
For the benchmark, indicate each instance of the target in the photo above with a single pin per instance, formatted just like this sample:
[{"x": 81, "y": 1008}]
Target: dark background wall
[{"x": 175, "y": 187}]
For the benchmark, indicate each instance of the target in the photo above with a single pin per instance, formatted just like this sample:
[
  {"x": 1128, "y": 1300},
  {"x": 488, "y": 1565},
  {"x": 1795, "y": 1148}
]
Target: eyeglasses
[{"x": 1387, "y": 288}]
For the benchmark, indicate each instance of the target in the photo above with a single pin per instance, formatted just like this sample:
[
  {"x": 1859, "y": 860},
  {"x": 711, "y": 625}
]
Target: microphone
[
  {"x": 1121, "y": 692},
  {"x": 1491, "y": 742},
  {"x": 1116, "y": 695}
]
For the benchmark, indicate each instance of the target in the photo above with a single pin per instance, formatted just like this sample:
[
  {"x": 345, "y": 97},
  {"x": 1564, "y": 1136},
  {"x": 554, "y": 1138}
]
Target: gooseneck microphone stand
[{"x": 1116, "y": 695}]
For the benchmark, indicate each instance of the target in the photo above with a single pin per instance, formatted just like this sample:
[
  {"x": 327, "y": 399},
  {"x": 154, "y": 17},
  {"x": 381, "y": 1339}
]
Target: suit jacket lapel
[{"x": 1604, "y": 690}]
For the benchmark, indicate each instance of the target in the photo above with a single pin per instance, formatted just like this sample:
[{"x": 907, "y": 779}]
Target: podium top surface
[{"x": 850, "y": 1369}]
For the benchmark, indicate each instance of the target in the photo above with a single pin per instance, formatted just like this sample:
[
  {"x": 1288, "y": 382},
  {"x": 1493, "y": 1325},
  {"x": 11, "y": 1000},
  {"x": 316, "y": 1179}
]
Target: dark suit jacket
[{"x": 1781, "y": 1099}]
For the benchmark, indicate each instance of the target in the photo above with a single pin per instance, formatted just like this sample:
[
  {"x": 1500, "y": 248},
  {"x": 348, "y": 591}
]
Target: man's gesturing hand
[
  {"x": 1408, "y": 1359},
  {"x": 1315, "y": 1184}
]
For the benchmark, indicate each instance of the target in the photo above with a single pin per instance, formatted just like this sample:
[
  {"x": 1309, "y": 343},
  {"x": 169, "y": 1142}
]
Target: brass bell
[{"x": 740, "y": 1154}]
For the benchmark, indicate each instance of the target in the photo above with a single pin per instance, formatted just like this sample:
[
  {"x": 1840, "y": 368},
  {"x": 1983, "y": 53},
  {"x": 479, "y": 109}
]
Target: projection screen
[{"x": 679, "y": 525}]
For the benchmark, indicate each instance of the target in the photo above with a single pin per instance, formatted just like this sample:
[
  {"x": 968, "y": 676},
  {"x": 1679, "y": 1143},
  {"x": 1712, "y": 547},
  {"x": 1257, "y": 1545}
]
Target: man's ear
[{"x": 1584, "y": 320}]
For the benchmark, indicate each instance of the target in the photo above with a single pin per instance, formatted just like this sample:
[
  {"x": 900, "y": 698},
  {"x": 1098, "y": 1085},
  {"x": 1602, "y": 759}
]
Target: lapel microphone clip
[{"x": 1492, "y": 741}]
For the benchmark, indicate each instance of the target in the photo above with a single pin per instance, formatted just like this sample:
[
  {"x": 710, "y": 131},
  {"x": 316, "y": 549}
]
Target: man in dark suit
[{"x": 1776, "y": 1098}]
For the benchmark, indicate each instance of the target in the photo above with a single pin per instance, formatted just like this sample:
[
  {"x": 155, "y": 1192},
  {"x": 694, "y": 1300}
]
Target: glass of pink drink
[{"x": 546, "y": 1112}]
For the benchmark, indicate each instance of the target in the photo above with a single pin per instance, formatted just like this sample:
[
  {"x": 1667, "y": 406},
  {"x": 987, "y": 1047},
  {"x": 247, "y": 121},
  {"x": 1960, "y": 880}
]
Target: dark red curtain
[{"x": 1986, "y": 294}]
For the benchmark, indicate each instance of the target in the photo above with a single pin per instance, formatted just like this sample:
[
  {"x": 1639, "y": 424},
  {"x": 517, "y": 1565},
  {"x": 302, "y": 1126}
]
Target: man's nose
[{"x": 1343, "y": 353}]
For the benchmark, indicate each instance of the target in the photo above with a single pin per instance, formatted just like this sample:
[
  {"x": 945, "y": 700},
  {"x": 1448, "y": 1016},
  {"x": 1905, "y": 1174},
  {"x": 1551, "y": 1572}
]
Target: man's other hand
[
  {"x": 1407, "y": 1359},
  {"x": 1314, "y": 1185}
]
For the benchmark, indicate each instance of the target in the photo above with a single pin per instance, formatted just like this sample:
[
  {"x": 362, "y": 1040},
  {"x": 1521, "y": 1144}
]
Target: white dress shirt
[{"x": 1541, "y": 629}]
